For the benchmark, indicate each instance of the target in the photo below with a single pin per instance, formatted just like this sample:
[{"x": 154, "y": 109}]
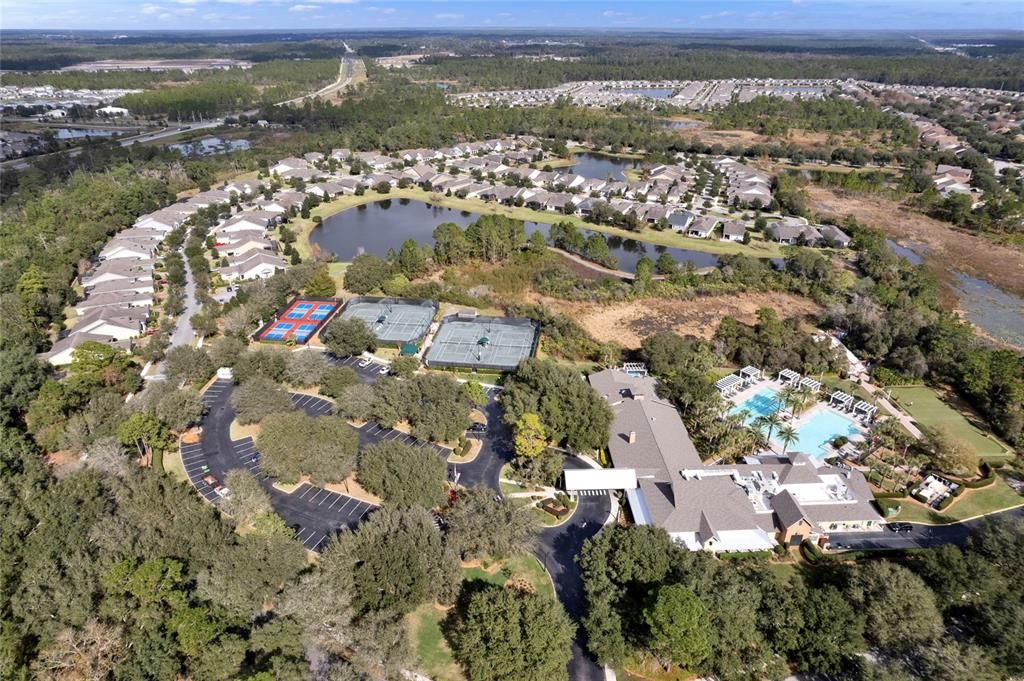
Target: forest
[{"x": 945, "y": 614}]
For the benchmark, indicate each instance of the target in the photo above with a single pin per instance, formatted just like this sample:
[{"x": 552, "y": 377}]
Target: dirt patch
[
  {"x": 946, "y": 248},
  {"x": 352, "y": 488},
  {"x": 629, "y": 323}
]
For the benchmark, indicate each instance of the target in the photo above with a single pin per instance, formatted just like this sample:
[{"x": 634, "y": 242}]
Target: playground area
[
  {"x": 298, "y": 321},
  {"x": 394, "y": 321},
  {"x": 483, "y": 343}
]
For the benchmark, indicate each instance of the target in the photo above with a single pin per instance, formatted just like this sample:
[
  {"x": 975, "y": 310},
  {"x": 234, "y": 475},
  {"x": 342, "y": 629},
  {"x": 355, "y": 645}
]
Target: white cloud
[
  {"x": 151, "y": 9},
  {"x": 189, "y": 2},
  {"x": 302, "y": 8},
  {"x": 165, "y": 16},
  {"x": 720, "y": 14},
  {"x": 449, "y": 16},
  {"x": 612, "y": 14},
  {"x": 381, "y": 10}
]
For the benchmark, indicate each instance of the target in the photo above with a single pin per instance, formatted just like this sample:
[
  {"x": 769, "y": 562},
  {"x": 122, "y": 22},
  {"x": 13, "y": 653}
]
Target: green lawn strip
[
  {"x": 998, "y": 496},
  {"x": 173, "y": 466},
  {"x": 758, "y": 248},
  {"x": 926, "y": 407}
]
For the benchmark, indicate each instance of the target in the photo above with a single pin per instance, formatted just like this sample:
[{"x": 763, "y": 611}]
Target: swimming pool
[
  {"x": 819, "y": 429},
  {"x": 815, "y": 430},
  {"x": 761, "y": 403}
]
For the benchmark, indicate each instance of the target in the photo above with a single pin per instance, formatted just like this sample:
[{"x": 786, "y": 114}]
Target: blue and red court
[{"x": 299, "y": 321}]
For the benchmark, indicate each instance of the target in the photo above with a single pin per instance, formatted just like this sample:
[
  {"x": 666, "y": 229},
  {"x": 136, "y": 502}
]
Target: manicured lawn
[
  {"x": 974, "y": 502},
  {"x": 928, "y": 409},
  {"x": 425, "y": 622},
  {"x": 173, "y": 466}
]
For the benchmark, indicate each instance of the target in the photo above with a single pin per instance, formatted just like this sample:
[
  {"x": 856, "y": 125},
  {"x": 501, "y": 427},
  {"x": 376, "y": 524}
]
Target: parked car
[
  {"x": 900, "y": 527},
  {"x": 478, "y": 428},
  {"x": 211, "y": 480},
  {"x": 384, "y": 370},
  {"x": 222, "y": 491},
  {"x": 365, "y": 363}
]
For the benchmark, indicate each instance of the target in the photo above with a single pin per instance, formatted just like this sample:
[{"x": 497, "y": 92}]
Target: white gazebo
[
  {"x": 635, "y": 368},
  {"x": 789, "y": 376},
  {"x": 750, "y": 374},
  {"x": 841, "y": 399},
  {"x": 865, "y": 409},
  {"x": 729, "y": 384},
  {"x": 811, "y": 384}
]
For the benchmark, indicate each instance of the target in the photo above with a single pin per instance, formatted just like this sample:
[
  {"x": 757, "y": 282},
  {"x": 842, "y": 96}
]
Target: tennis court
[
  {"x": 483, "y": 342},
  {"x": 302, "y": 318},
  {"x": 394, "y": 321}
]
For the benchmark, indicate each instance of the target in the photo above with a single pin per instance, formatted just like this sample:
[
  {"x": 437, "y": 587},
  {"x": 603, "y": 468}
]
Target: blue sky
[{"x": 555, "y": 14}]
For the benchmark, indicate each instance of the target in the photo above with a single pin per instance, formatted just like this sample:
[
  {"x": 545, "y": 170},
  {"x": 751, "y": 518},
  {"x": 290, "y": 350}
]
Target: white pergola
[
  {"x": 635, "y": 368},
  {"x": 728, "y": 384},
  {"x": 864, "y": 408},
  {"x": 749, "y": 373},
  {"x": 789, "y": 376},
  {"x": 810, "y": 383},
  {"x": 844, "y": 400}
]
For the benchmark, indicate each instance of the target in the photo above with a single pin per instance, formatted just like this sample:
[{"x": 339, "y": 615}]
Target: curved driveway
[{"x": 316, "y": 513}]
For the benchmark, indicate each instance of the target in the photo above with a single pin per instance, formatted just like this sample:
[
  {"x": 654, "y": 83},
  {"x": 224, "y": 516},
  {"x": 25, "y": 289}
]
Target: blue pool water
[
  {"x": 762, "y": 403},
  {"x": 820, "y": 429},
  {"x": 813, "y": 432}
]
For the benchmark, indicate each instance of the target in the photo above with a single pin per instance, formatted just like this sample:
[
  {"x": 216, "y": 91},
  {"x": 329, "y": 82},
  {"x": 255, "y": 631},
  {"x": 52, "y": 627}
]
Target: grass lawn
[
  {"x": 759, "y": 248},
  {"x": 928, "y": 409},
  {"x": 432, "y": 651},
  {"x": 173, "y": 466},
  {"x": 974, "y": 502}
]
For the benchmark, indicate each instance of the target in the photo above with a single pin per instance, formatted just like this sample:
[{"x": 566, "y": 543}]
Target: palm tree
[
  {"x": 758, "y": 426},
  {"x": 772, "y": 421},
  {"x": 787, "y": 436},
  {"x": 802, "y": 396},
  {"x": 787, "y": 397}
]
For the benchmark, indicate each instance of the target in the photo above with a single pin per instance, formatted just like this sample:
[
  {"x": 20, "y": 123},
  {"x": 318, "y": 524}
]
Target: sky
[{"x": 687, "y": 15}]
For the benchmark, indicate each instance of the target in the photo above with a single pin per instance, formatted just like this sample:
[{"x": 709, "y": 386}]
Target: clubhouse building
[{"x": 751, "y": 505}]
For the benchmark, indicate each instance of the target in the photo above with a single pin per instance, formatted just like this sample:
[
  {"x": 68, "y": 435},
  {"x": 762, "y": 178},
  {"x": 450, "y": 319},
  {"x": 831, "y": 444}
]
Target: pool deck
[{"x": 800, "y": 419}]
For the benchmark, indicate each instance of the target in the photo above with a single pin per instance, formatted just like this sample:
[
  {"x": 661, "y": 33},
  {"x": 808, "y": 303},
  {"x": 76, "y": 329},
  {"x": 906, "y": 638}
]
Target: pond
[
  {"x": 209, "y": 146},
  {"x": 378, "y": 227},
  {"x": 905, "y": 252},
  {"x": 602, "y": 167},
  {"x": 652, "y": 92},
  {"x": 998, "y": 313},
  {"x": 81, "y": 133},
  {"x": 679, "y": 125}
]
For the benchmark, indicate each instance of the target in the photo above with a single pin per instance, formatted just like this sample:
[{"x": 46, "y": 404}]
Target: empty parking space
[{"x": 314, "y": 406}]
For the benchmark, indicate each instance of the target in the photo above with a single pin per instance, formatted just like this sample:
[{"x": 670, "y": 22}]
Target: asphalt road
[
  {"x": 316, "y": 514},
  {"x": 920, "y": 537}
]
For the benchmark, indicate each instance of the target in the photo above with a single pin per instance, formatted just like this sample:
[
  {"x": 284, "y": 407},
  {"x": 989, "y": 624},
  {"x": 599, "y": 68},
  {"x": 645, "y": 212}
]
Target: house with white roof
[{"x": 252, "y": 265}]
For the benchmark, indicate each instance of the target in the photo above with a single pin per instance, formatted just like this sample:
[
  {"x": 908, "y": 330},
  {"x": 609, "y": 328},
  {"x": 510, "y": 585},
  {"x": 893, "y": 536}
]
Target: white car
[
  {"x": 222, "y": 491},
  {"x": 365, "y": 363},
  {"x": 384, "y": 370}
]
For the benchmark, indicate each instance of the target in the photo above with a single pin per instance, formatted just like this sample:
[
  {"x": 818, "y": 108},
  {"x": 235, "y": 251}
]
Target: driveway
[
  {"x": 316, "y": 513},
  {"x": 920, "y": 537}
]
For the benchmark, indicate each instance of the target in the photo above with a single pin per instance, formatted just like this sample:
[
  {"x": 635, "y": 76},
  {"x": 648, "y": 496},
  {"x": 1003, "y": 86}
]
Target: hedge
[
  {"x": 891, "y": 495},
  {"x": 944, "y": 504},
  {"x": 887, "y": 505},
  {"x": 746, "y": 555}
]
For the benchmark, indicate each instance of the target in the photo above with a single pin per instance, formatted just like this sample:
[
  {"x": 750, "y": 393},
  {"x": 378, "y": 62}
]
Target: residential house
[
  {"x": 833, "y": 236},
  {"x": 62, "y": 352},
  {"x": 252, "y": 265},
  {"x": 733, "y": 230},
  {"x": 703, "y": 227}
]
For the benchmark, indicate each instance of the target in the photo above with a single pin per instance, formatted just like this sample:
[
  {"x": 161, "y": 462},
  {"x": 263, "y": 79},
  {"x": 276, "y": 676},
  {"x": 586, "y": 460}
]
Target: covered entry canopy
[{"x": 599, "y": 479}]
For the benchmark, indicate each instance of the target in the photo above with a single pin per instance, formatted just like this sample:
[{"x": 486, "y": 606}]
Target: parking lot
[
  {"x": 333, "y": 511},
  {"x": 372, "y": 433},
  {"x": 193, "y": 458}
]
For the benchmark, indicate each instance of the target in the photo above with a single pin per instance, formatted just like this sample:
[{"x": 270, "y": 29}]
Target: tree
[
  {"x": 411, "y": 259},
  {"x": 93, "y": 652},
  {"x": 266, "y": 363},
  {"x": 571, "y": 411},
  {"x": 306, "y": 368},
  {"x": 403, "y": 475},
  {"x": 680, "y": 630},
  {"x": 899, "y": 607},
  {"x": 181, "y": 409},
  {"x": 666, "y": 264},
  {"x": 356, "y": 402},
  {"x": 336, "y": 379},
  {"x": 404, "y": 367},
  {"x": 258, "y": 398},
  {"x": 530, "y": 438},
  {"x": 292, "y": 444},
  {"x": 952, "y": 661},
  {"x": 949, "y": 453},
  {"x": 502, "y": 634},
  {"x": 644, "y": 273},
  {"x": 787, "y": 436},
  {"x": 399, "y": 559},
  {"x": 188, "y": 365},
  {"x": 248, "y": 499},
  {"x": 480, "y": 527},
  {"x": 345, "y": 337},
  {"x": 831, "y": 631},
  {"x": 226, "y": 350},
  {"x": 145, "y": 433},
  {"x": 21, "y": 375},
  {"x": 321, "y": 285},
  {"x": 475, "y": 393},
  {"x": 366, "y": 273}
]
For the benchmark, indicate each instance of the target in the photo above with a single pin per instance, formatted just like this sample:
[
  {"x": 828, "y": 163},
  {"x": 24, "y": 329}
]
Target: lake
[
  {"x": 378, "y": 227},
  {"x": 602, "y": 167},
  {"x": 998, "y": 313},
  {"x": 80, "y": 133},
  {"x": 209, "y": 146},
  {"x": 679, "y": 125},
  {"x": 905, "y": 252}
]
